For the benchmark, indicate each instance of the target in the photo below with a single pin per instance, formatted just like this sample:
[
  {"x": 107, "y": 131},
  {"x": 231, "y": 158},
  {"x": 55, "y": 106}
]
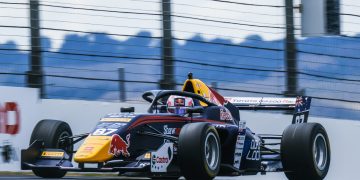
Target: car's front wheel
[
  {"x": 199, "y": 151},
  {"x": 305, "y": 151},
  {"x": 50, "y": 132}
]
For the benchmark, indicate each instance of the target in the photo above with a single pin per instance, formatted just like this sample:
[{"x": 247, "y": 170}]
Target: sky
[
  {"x": 182, "y": 28},
  {"x": 131, "y": 24}
]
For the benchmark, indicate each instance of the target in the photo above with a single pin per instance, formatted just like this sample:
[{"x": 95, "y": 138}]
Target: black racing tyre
[
  {"x": 305, "y": 151},
  {"x": 199, "y": 151},
  {"x": 50, "y": 131}
]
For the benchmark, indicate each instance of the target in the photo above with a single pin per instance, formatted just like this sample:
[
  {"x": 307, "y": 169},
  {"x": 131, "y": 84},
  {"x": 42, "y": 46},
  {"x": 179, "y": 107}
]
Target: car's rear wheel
[
  {"x": 50, "y": 132},
  {"x": 199, "y": 151},
  {"x": 305, "y": 151}
]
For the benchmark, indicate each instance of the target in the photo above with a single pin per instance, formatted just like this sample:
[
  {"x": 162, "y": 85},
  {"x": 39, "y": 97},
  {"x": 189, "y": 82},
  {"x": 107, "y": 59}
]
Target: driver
[{"x": 179, "y": 104}]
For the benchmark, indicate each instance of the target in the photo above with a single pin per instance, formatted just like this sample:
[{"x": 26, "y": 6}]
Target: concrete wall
[{"x": 82, "y": 116}]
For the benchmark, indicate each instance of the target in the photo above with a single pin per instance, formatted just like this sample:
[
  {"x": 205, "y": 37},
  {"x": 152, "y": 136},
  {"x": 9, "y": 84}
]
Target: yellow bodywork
[
  {"x": 94, "y": 149},
  {"x": 198, "y": 87}
]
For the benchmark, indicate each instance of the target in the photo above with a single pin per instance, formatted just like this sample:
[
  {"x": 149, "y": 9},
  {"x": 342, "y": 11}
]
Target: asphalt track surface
[
  {"x": 30, "y": 177},
  {"x": 270, "y": 176}
]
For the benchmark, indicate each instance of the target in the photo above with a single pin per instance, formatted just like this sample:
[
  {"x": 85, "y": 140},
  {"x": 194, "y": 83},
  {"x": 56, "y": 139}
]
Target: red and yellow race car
[{"x": 196, "y": 133}]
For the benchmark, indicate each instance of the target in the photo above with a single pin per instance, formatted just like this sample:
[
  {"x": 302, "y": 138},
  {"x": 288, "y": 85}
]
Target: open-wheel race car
[{"x": 195, "y": 133}]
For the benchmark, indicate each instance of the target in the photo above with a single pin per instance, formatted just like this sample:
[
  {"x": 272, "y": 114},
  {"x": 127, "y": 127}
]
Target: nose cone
[{"x": 94, "y": 149}]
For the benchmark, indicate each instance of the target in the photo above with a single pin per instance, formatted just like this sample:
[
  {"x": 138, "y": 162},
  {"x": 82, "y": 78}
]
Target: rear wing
[{"x": 300, "y": 105}]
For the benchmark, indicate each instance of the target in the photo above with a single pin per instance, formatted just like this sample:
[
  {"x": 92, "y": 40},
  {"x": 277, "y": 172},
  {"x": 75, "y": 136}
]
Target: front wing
[{"x": 36, "y": 157}]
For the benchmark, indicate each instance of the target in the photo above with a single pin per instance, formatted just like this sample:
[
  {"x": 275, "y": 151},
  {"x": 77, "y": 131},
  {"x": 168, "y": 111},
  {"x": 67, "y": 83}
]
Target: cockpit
[{"x": 195, "y": 97}]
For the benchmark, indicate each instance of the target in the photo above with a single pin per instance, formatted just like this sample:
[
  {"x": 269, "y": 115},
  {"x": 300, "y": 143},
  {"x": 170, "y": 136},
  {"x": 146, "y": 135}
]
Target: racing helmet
[{"x": 179, "y": 104}]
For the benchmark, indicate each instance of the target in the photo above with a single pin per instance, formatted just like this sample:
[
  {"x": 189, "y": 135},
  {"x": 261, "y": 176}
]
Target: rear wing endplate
[{"x": 300, "y": 105}]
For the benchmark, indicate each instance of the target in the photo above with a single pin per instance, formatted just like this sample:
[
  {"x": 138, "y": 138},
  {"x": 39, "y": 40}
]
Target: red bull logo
[{"x": 118, "y": 146}]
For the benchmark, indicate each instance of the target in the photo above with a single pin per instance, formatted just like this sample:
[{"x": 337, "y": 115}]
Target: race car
[{"x": 195, "y": 133}]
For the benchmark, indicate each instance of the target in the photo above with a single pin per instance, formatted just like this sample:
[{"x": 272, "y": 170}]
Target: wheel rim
[
  {"x": 320, "y": 151},
  {"x": 212, "y": 151}
]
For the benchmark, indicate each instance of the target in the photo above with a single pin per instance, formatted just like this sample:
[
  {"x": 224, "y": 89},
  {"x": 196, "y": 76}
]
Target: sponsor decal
[
  {"x": 162, "y": 158},
  {"x": 5, "y": 127},
  {"x": 242, "y": 126},
  {"x": 260, "y": 100},
  {"x": 110, "y": 124},
  {"x": 120, "y": 115},
  {"x": 88, "y": 149},
  {"x": 116, "y": 125},
  {"x": 239, "y": 146},
  {"x": 116, "y": 119},
  {"x": 118, "y": 146},
  {"x": 52, "y": 154},
  {"x": 171, "y": 131},
  {"x": 254, "y": 152},
  {"x": 225, "y": 114}
]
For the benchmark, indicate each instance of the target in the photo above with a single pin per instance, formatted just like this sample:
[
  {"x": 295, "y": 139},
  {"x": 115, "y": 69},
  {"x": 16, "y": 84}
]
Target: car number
[{"x": 103, "y": 132}]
